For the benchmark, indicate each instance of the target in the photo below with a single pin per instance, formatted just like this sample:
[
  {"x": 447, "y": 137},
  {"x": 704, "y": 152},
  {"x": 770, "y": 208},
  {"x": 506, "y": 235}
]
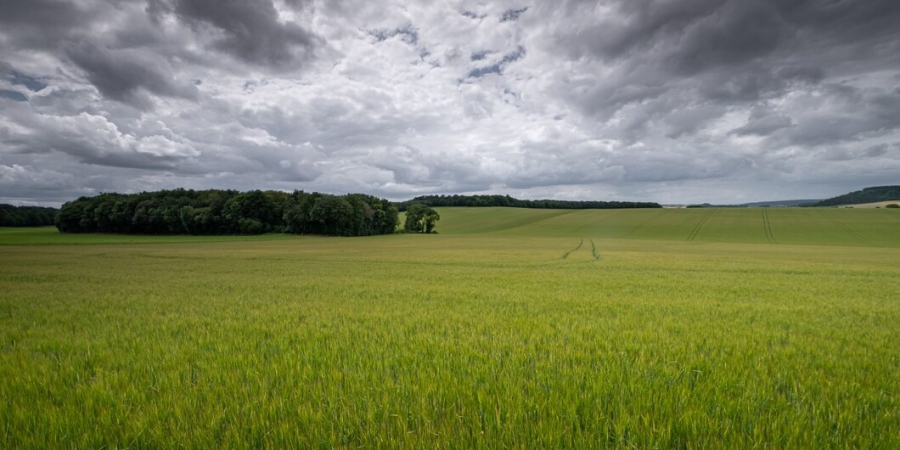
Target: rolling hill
[
  {"x": 867, "y": 195},
  {"x": 800, "y": 226}
]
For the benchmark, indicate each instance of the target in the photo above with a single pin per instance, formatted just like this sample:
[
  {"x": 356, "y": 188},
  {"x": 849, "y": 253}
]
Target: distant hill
[
  {"x": 783, "y": 203},
  {"x": 867, "y": 195}
]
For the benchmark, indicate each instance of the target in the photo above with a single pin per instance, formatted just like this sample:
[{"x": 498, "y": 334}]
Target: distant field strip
[
  {"x": 699, "y": 226},
  {"x": 782, "y": 226},
  {"x": 843, "y": 226},
  {"x": 768, "y": 226},
  {"x": 633, "y": 230}
]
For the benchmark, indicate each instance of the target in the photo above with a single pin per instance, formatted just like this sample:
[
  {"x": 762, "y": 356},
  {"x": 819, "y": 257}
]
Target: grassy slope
[
  {"x": 462, "y": 339},
  {"x": 50, "y": 236},
  {"x": 802, "y": 226}
]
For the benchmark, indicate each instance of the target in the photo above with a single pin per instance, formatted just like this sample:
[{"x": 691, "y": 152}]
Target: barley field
[{"x": 512, "y": 328}]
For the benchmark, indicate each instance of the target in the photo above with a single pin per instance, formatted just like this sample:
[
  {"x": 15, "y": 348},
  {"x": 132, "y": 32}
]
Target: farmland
[{"x": 512, "y": 328}]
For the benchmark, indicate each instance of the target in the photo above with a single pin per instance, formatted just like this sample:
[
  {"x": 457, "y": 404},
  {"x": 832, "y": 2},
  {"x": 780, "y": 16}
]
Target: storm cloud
[{"x": 675, "y": 101}]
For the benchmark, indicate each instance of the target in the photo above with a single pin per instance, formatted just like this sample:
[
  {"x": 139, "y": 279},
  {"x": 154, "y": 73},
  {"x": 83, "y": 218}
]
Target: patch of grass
[
  {"x": 460, "y": 340},
  {"x": 52, "y": 236},
  {"x": 774, "y": 226}
]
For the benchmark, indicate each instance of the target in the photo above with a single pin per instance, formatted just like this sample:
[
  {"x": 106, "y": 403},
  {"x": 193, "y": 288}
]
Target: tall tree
[{"x": 420, "y": 219}]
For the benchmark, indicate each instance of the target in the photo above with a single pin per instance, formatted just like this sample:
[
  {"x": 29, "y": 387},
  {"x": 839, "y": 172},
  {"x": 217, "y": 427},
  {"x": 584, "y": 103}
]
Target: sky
[{"x": 673, "y": 101}]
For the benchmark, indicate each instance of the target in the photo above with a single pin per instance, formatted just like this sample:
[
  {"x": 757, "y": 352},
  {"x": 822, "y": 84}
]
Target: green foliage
[
  {"x": 283, "y": 341},
  {"x": 349, "y": 215},
  {"x": 892, "y": 205},
  {"x": 867, "y": 195},
  {"x": 26, "y": 216},
  {"x": 420, "y": 219},
  {"x": 507, "y": 201},
  {"x": 216, "y": 212}
]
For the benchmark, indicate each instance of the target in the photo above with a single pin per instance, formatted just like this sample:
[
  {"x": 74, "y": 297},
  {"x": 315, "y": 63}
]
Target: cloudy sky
[{"x": 673, "y": 101}]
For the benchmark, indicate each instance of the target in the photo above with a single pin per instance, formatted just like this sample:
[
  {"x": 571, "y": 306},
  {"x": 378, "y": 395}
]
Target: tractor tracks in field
[
  {"x": 566, "y": 255},
  {"x": 699, "y": 226},
  {"x": 767, "y": 226},
  {"x": 594, "y": 252},
  {"x": 843, "y": 226}
]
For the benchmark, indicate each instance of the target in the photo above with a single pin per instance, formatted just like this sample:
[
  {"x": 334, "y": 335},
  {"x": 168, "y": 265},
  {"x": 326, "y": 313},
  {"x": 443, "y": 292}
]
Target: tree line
[
  {"x": 224, "y": 212},
  {"x": 26, "y": 216},
  {"x": 505, "y": 200}
]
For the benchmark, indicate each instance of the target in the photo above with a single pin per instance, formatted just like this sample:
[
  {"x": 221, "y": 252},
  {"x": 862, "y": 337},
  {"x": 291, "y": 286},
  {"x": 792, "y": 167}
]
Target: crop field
[
  {"x": 512, "y": 328},
  {"x": 804, "y": 226}
]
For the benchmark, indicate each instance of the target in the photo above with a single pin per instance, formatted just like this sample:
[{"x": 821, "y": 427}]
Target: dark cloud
[
  {"x": 842, "y": 113},
  {"x": 498, "y": 66},
  {"x": 691, "y": 119},
  {"x": 407, "y": 33},
  {"x": 843, "y": 23},
  {"x": 738, "y": 33},
  {"x": 13, "y": 95},
  {"x": 31, "y": 83},
  {"x": 250, "y": 30},
  {"x": 637, "y": 25},
  {"x": 802, "y": 74},
  {"x": 125, "y": 76},
  {"x": 479, "y": 55},
  {"x": 763, "y": 122},
  {"x": 42, "y": 23},
  {"x": 512, "y": 14},
  {"x": 473, "y": 15}
]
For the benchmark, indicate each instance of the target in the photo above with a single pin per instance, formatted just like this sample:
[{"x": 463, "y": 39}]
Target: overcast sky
[{"x": 675, "y": 101}]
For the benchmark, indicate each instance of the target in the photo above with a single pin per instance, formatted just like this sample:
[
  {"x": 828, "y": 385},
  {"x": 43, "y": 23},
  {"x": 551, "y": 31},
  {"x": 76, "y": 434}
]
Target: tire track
[
  {"x": 844, "y": 227},
  {"x": 594, "y": 251},
  {"x": 699, "y": 225},
  {"x": 767, "y": 226},
  {"x": 566, "y": 255}
]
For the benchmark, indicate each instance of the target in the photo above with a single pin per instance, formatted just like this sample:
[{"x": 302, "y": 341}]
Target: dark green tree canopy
[
  {"x": 26, "y": 216},
  {"x": 213, "y": 212},
  {"x": 505, "y": 200},
  {"x": 420, "y": 219}
]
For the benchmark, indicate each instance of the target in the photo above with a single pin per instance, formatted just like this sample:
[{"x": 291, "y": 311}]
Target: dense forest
[
  {"x": 867, "y": 195},
  {"x": 220, "y": 212},
  {"x": 505, "y": 200},
  {"x": 26, "y": 216}
]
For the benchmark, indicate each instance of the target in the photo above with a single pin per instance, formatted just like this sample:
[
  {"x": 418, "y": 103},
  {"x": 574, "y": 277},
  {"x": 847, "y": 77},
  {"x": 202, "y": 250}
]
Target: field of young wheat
[{"x": 701, "y": 328}]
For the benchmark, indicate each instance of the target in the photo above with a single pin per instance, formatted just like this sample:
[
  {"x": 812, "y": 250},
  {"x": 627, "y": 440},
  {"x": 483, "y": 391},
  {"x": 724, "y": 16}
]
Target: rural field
[{"x": 512, "y": 328}]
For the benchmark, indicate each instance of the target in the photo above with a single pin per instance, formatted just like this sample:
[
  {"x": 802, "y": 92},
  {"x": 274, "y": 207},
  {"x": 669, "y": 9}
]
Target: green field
[
  {"x": 513, "y": 328},
  {"x": 804, "y": 226}
]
